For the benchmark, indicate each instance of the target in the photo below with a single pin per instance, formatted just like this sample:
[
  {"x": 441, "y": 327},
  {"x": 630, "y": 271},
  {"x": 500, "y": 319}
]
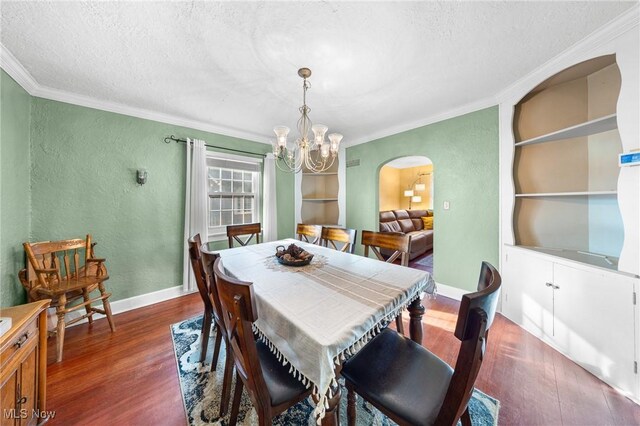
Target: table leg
[
  {"x": 416, "y": 311},
  {"x": 332, "y": 415}
]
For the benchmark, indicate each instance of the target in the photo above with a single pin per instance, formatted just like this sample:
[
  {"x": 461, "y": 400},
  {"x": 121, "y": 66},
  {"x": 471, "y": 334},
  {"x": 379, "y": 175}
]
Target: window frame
[{"x": 219, "y": 233}]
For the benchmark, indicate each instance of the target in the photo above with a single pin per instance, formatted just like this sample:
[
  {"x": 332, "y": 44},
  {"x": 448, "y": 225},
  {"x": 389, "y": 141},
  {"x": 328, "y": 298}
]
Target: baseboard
[
  {"x": 454, "y": 293},
  {"x": 128, "y": 304}
]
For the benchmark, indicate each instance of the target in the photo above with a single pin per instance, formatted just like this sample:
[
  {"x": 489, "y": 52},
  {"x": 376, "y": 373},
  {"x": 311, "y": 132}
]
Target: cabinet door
[
  {"x": 527, "y": 300},
  {"x": 594, "y": 323},
  {"x": 9, "y": 415},
  {"x": 28, "y": 389}
]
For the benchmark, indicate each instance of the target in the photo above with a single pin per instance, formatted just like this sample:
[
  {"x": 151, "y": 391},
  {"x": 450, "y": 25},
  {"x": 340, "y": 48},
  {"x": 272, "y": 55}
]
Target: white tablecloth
[{"x": 312, "y": 316}]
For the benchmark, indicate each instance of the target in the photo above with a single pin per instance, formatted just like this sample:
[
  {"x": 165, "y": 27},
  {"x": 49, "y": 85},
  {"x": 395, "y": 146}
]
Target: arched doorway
[{"x": 406, "y": 192}]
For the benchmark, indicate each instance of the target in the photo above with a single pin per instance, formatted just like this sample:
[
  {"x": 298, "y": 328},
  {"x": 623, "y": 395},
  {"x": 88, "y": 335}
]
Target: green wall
[
  {"x": 80, "y": 164},
  {"x": 464, "y": 151},
  {"x": 15, "y": 200},
  {"x": 83, "y": 181}
]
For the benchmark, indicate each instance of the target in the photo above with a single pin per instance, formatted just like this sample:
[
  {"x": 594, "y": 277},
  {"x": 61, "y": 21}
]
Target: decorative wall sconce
[{"x": 141, "y": 176}]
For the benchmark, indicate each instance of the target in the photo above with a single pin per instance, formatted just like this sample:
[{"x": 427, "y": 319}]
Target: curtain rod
[{"x": 171, "y": 138}]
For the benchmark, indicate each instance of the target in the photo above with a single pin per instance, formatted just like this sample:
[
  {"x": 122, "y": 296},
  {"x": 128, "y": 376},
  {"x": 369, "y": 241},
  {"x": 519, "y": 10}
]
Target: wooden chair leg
[
  {"x": 87, "y": 307},
  {"x": 216, "y": 348},
  {"x": 204, "y": 333},
  {"x": 226, "y": 382},
  {"x": 237, "y": 396},
  {"x": 399, "y": 324},
  {"x": 465, "y": 419},
  {"x": 352, "y": 398},
  {"x": 60, "y": 313},
  {"x": 107, "y": 307}
]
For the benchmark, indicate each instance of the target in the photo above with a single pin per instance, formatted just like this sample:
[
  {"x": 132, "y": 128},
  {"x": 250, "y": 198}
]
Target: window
[{"x": 234, "y": 192}]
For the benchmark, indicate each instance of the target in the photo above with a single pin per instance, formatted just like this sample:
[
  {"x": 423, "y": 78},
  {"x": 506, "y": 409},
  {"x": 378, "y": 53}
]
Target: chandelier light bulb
[
  {"x": 281, "y": 133},
  {"x": 335, "y": 139},
  {"x": 319, "y": 131}
]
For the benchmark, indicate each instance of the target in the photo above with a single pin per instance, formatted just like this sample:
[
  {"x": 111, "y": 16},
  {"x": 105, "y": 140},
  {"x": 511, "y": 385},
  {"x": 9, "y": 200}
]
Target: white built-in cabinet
[
  {"x": 570, "y": 216},
  {"x": 586, "y": 313}
]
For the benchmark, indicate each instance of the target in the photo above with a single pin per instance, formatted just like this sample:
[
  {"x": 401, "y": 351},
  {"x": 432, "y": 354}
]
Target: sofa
[{"x": 409, "y": 222}]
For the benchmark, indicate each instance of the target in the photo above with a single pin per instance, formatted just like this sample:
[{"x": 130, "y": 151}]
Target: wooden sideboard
[{"x": 23, "y": 365}]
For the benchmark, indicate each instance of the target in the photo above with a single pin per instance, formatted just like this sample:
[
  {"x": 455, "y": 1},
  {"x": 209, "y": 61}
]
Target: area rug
[
  {"x": 425, "y": 261},
  {"x": 201, "y": 390}
]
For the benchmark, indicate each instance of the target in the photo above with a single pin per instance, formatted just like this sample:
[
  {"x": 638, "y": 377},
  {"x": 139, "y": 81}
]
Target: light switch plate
[{"x": 446, "y": 205}]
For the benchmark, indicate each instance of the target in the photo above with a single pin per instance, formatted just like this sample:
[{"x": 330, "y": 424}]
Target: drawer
[{"x": 22, "y": 339}]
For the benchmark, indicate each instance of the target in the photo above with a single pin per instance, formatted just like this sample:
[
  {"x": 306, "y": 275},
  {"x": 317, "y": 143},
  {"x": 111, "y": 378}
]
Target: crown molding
[
  {"x": 603, "y": 35},
  {"x": 455, "y": 112},
  {"x": 14, "y": 68},
  {"x": 10, "y": 64}
]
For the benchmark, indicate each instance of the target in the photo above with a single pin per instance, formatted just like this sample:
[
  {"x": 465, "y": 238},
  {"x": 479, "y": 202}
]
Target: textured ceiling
[{"x": 376, "y": 66}]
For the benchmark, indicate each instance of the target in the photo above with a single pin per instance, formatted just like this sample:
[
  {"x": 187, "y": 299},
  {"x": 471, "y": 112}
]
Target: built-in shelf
[
  {"x": 319, "y": 199},
  {"x": 592, "y": 127},
  {"x": 566, "y": 194},
  {"x": 320, "y": 174}
]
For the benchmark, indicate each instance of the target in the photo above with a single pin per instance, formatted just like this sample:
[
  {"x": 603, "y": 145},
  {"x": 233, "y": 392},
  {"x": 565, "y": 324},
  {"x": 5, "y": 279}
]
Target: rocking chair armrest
[{"x": 96, "y": 260}]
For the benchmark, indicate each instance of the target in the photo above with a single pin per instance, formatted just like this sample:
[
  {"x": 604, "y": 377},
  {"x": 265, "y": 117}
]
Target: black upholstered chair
[{"x": 411, "y": 385}]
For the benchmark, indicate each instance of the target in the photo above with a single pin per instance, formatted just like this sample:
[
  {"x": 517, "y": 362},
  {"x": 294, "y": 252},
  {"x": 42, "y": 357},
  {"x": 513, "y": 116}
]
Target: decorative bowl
[{"x": 293, "y": 256}]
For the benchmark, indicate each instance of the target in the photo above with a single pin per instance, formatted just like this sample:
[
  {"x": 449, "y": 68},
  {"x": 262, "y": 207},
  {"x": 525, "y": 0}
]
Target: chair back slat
[
  {"x": 76, "y": 263},
  {"x": 475, "y": 317},
  {"x": 309, "y": 233},
  {"x": 208, "y": 260},
  {"x": 239, "y": 313},
  {"x": 400, "y": 243},
  {"x": 345, "y": 236},
  {"x": 234, "y": 232},
  {"x": 198, "y": 270},
  {"x": 67, "y": 265}
]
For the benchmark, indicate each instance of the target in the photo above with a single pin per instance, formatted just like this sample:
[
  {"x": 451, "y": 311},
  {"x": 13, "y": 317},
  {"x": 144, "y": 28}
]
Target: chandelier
[{"x": 314, "y": 155}]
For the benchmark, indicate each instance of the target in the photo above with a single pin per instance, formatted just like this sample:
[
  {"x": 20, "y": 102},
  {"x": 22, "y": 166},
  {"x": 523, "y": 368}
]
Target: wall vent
[{"x": 353, "y": 163}]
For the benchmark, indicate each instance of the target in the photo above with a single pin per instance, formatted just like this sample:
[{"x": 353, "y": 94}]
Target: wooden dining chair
[
  {"x": 399, "y": 243},
  {"x": 411, "y": 385},
  {"x": 345, "y": 236},
  {"x": 203, "y": 288},
  {"x": 270, "y": 386},
  {"x": 234, "y": 232},
  {"x": 208, "y": 260},
  {"x": 309, "y": 233},
  {"x": 67, "y": 272}
]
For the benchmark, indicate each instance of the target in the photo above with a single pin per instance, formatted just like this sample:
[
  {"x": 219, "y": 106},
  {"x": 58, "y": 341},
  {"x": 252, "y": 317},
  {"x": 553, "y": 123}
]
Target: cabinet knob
[{"x": 21, "y": 341}]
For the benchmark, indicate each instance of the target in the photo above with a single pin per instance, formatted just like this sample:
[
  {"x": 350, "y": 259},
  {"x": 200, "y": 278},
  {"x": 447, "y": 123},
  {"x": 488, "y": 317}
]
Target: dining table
[{"x": 313, "y": 317}]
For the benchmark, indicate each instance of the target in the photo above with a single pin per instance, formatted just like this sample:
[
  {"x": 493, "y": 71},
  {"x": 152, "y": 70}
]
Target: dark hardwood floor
[{"x": 130, "y": 377}]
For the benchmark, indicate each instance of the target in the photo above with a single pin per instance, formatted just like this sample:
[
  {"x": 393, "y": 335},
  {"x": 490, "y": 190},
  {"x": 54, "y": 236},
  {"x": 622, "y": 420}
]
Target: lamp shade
[
  {"x": 408, "y": 193},
  {"x": 420, "y": 186},
  {"x": 416, "y": 199}
]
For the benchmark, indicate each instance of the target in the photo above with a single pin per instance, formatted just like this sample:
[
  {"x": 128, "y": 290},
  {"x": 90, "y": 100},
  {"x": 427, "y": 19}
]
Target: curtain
[
  {"x": 195, "y": 206},
  {"x": 269, "y": 207}
]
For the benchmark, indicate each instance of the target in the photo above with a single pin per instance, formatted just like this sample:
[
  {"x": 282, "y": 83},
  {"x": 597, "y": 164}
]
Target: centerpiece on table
[{"x": 293, "y": 255}]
